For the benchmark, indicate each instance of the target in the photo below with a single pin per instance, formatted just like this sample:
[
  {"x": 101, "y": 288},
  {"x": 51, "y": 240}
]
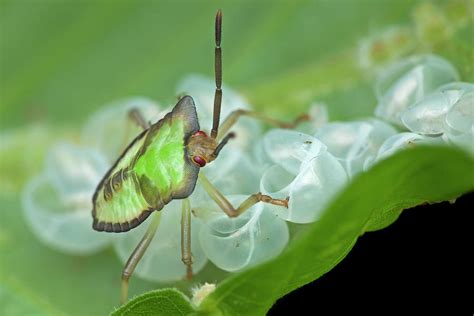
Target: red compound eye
[
  {"x": 200, "y": 133},
  {"x": 199, "y": 161}
]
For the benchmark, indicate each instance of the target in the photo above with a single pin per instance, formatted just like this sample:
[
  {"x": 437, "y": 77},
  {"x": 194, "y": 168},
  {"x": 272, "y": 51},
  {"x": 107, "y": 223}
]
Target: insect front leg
[
  {"x": 136, "y": 116},
  {"x": 137, "y": 254},
  {"x": 227, "y": 207},
  {"x": 233, "y": 117},
  {"x": 186, "y": 254}
]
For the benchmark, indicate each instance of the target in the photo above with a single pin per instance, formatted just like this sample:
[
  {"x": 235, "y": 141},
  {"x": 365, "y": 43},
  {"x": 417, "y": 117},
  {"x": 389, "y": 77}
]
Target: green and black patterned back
[{"x": 152, "y": 171}]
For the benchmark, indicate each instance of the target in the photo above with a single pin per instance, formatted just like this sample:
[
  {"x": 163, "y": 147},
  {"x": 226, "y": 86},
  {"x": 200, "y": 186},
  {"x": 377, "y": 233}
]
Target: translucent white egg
[
  {"x": 454, "y": 90},
  {"x": 233, "y": 244},
  {"x": 404, "y": 141},
  {"x": 304, "y": 171},
  {"x": 228, "y": 164},
  {"x": 57, "y": 204},
  {"x": 259, "y": 155},
  {"x": 309, "y": 191},
  {"x": 290, "y": 149},
  {"x": 428, "y": 116},
  {"x": 74, "y": 170},
  {"x": 460, "y": 122},
  {"x": 352, "y": 143},
  {"x": 110, "y": 130},
  {"x": 319, "y": 116},
  {"x": 241, "y": 177},
  {"x": 162, "y": 260},
  {"x": 408, "y": 81}
]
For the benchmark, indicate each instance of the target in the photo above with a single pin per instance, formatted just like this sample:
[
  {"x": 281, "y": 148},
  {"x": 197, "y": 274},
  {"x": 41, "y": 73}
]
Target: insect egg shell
[
  {"x": 111, "y": 129},
  {"x": 304, "y": 171},
  {"x": 233, "y": 244},
  {"x": 454, "y": 90},
  {"x": 353, "y": 143},
  {"x": 460, "y": 122},
  {"x": 428, "y": 115},
  {"x": 162, "y": 260},
  {"x": 57, "y": 203},
  {"x": 404, "y": 140},
  {"x": 408, "y": 81},
  {"x": 290, "y": 148}
]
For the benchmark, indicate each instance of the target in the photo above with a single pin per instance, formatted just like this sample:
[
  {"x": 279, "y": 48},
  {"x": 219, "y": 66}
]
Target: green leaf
[
  {"x": 404, "y": 180},
  {"x": 384, "y": 218},
  {"x": 160, "y": 302}
]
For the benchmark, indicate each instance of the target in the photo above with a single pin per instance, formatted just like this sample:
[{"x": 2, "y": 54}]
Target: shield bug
[{"x": 162, "y": 163}]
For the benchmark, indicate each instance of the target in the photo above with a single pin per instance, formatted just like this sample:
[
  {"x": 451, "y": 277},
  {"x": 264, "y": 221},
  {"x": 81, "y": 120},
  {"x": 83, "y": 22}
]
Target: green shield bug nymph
[{"x": 162, "y": 163}]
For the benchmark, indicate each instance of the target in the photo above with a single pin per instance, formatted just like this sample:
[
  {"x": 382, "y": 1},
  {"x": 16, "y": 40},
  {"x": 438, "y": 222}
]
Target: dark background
[{"x": 421, "y": 262}]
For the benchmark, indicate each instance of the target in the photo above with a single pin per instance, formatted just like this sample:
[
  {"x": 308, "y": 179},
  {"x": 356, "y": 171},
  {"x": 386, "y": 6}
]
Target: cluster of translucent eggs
[{"x": 419, "y": 101}]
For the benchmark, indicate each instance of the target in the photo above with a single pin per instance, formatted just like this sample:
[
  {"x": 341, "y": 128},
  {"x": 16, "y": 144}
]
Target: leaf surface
[{"x": 159, "y": 302}]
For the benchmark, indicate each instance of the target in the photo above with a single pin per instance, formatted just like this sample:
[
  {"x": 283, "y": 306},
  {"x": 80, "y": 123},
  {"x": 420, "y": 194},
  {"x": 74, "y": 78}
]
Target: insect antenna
[
  {"x": 222, "y": 144},
  {"x": 218, "y": 76}
]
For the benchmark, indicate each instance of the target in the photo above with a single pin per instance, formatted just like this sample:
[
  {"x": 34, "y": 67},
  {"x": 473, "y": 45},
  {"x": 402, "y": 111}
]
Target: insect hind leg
[
  {"x": 227, "y": 207},
  {"x": 186, "y": 254},
  {"x": 137, "y": 255}
]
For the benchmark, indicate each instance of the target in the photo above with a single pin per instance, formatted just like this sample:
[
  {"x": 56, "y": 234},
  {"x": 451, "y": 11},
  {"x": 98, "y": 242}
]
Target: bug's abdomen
[{"x": 120, "y": 205}]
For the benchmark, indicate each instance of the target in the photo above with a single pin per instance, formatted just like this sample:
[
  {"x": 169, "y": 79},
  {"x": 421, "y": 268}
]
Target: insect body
[
  {"x": 154, "y": 169},
  {"x": 162, "y": 163}
]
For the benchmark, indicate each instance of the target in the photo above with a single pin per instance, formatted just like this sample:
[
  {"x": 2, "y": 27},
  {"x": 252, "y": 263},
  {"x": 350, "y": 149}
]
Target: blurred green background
[{"x": 61, "y": 60}]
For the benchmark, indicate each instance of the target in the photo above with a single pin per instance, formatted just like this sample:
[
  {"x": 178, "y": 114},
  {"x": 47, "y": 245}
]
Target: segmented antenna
[
  {"x": 218, "y": 76},
  {"x": 223, "y": 143}
]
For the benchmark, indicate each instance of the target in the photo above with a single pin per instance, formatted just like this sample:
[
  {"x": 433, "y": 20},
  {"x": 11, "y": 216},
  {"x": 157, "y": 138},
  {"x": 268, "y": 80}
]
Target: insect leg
[
  {"x": 136, "y": 116},
  {"x": 186, "y": 255},
  {"x": 222, "y": 143},
  {"x": 227, "y": 207},
  {"x": 235, "y": 115},
  {"x": 137, "y": 254}
]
